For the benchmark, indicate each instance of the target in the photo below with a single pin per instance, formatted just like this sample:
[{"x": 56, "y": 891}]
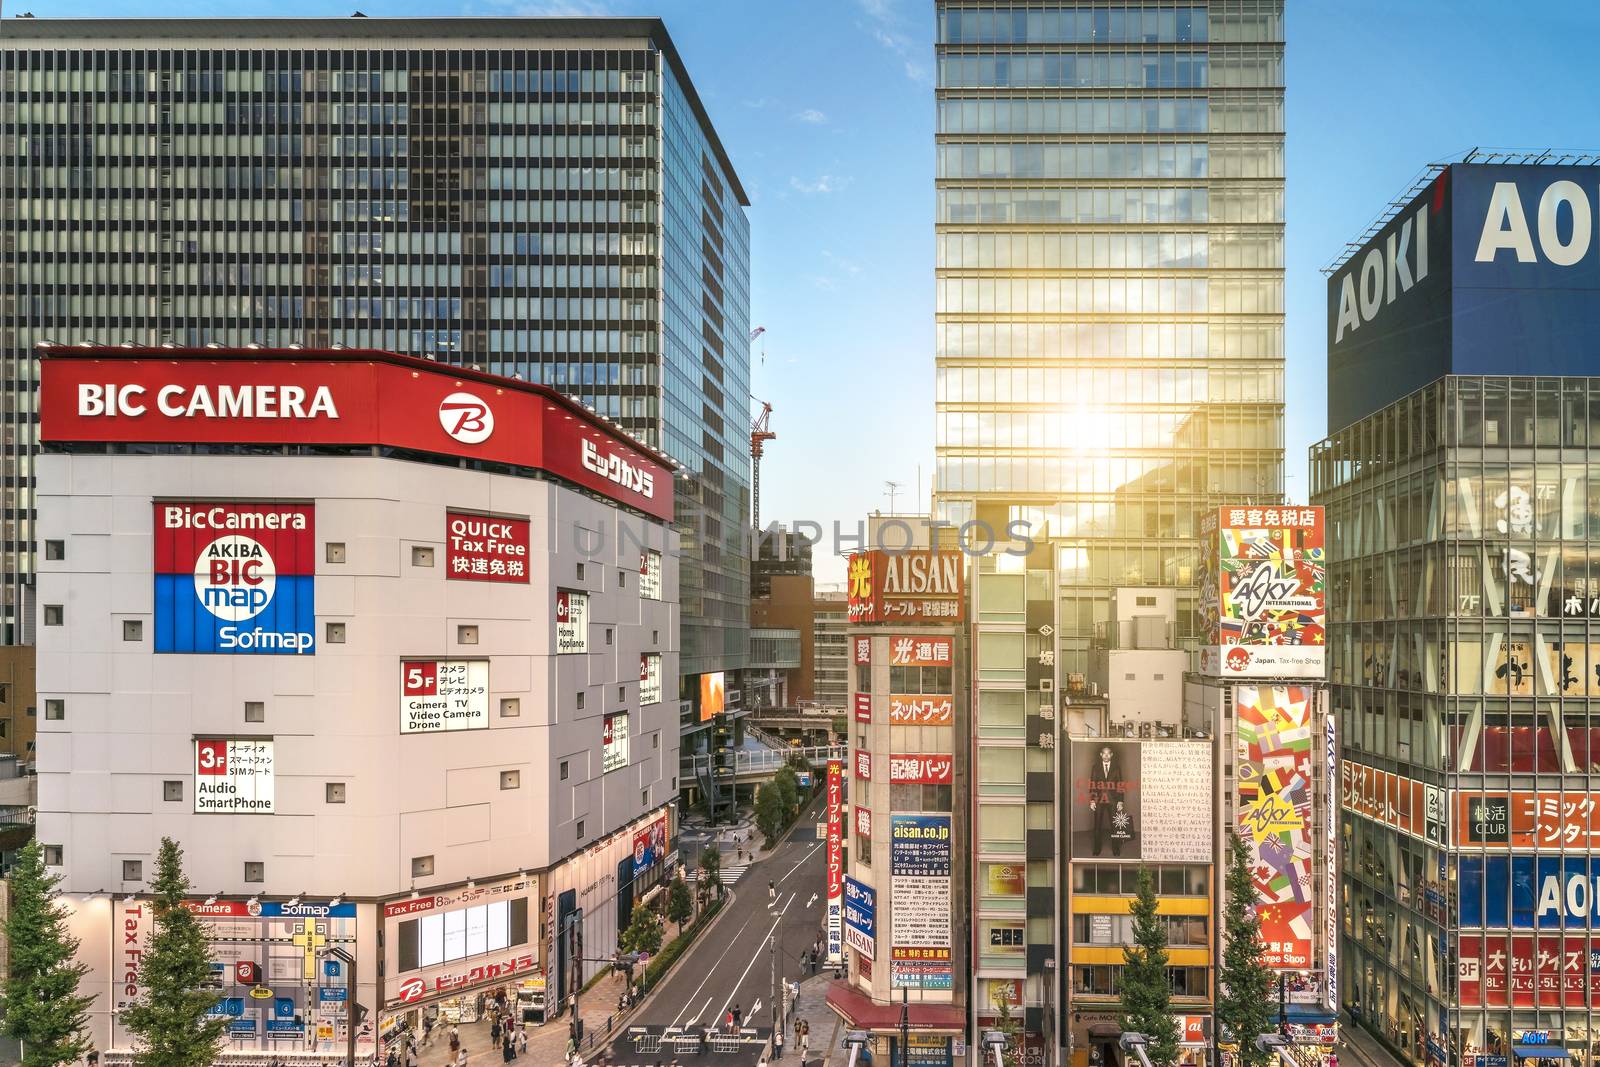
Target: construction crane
[{"x": 760, "y": 433}]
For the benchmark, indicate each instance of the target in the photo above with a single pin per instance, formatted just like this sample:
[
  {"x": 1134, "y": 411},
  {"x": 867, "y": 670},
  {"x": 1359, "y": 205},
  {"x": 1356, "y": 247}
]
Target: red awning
[{"x": 860, "y": 1012}]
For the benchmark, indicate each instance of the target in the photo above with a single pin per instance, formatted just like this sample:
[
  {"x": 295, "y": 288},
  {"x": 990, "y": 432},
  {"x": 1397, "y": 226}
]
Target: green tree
[
  {"x": 710, "y": 873},
  {"x": 1008, "y": 1025},
  {"x": 680, "y": 909},
  {"x": 643, "y": 933},
  {"x": 43, "y": 1008},
  {"x": 788, "y": 787},
  {"x": 1245, "y": 1006},
  {"x": 1146, "y": 992},
  {"x": 771, "y": 812},
  {"x": 170, "y": 1019}
]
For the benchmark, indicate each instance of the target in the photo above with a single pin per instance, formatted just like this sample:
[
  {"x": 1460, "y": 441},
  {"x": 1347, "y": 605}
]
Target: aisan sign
[{"x": 909, "y": 586}]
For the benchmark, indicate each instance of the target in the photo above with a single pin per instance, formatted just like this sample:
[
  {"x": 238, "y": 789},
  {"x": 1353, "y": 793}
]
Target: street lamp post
[{"x": 349, "y": 1002}]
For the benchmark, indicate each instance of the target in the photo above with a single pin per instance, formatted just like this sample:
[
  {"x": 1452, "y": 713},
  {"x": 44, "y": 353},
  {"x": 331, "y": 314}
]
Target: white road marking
[
  {"x": 812, "y": 901},
  {"x": 807, "y": 856},
  {"x": 710, "y": 971},
  {"x": 724, "y": 1012}
]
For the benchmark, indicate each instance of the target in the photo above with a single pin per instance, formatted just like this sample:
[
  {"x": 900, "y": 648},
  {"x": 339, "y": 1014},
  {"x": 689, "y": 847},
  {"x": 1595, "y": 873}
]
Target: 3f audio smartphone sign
[
  {"x": 235, "y": 578},
  {"x": 232, "y": 776}
]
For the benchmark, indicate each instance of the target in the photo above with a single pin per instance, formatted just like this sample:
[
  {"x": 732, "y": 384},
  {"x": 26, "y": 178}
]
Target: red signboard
[
  {"x": 1515, "y": 971},
  {"x": 863, "y": 649},
  {"x": 913, "y": 585},
  {"x": 864, "y": 765},
  {"x": 921, "y": 651},
  {"x": 835, "y": 859},
  {"x": 922, "y": 770},
  {"x": 921, "y": 710},
  {"x": 483, "y": 548},
  {"x": 1524, "y": 818},
  {"x": 294, "y": 397},
  {"x": 863, "y": 707},
  {"x": 863, "y": 821}
]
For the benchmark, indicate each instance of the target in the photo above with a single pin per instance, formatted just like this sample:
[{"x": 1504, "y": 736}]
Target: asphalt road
[{"x": 731, "y": 964}]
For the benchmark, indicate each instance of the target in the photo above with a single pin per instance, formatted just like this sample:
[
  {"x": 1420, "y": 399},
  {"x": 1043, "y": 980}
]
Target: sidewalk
[
  {"x": 547, "y": 1044},
  {"x": 813, "y": 1008}
]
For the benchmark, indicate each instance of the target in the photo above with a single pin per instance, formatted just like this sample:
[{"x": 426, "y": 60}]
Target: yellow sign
[
  {"x": 324, "y": 1031},
  {"x": 310, "y": 937},
  {"x": 261, "y": 992},
  {"x": 1271, "y": 814}
]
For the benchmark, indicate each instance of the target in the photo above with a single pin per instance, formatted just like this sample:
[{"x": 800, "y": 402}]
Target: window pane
[{"x": 430, "y": 941}]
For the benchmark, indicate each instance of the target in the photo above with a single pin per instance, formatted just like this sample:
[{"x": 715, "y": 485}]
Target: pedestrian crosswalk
[{"x": 731, "y": 875}]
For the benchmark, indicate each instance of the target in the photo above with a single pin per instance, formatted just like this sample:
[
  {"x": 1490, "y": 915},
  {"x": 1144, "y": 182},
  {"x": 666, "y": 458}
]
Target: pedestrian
[
  {"x": 738, "y": 1016},
  {"x": 427, "y": 1029},
  {"x": 393, "y": 1058},
  {"x": 805, "y": 1039},
  {"x": 461, "y": 1057},
  {"x": 772, "y": 891},
  {"x": 411, "y": 1054},
  {"x": 522, "y": 1039},
  {"x": 508, "y": 1047},
  {"x": 494, "y": 1030}
]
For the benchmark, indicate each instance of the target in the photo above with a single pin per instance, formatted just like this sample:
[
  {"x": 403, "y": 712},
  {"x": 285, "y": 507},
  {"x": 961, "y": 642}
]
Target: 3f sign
[{"x": 1505, "y": 226}]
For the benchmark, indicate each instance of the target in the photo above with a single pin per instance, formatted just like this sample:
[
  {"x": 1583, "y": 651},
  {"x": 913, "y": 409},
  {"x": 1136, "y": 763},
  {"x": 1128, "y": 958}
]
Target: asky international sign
[
  {"x": 915, "y": 585},
  {"x": 483, "y": 548},
  {"x": 368, "y": 398},
  {"x": 1262, "y": 597}
]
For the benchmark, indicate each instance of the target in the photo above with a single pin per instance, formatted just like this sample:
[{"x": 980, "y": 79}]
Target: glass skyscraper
[
  {"x": 1109, "y": 335},
  {"x": 543, "y": 197}
]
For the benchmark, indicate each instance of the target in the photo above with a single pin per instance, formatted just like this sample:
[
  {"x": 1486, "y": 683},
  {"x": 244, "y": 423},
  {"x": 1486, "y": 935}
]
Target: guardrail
[{"x": 768, "y": 761}]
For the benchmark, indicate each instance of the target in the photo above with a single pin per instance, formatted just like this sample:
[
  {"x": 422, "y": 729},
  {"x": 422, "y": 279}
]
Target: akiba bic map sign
[{"x": 235, "y": 578}]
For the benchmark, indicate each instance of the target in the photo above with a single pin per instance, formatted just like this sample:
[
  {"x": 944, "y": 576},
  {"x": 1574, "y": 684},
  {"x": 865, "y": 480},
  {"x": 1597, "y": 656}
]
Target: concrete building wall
[{"x": 130, "y": 716}]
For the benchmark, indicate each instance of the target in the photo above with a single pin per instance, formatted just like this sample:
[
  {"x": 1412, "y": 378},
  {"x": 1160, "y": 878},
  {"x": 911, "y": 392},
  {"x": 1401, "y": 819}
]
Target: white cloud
[
  {"x": 887, "y": 17},
  {"x": 825, "y": 183},
  {"x": 812, "y": 115},
  {"x": 849, "y": 266}
]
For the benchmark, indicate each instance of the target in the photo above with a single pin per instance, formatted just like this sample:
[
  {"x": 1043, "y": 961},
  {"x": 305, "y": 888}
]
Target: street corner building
[
  {"x": 1463, "y": 511},
  {"x": 385, "y": 645}
]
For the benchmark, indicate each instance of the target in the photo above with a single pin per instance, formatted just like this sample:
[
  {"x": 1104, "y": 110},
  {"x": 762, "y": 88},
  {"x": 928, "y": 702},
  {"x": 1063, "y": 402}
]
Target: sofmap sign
[
  {"x": 1490, "y": 269},
  {"x": 235, "y": 578},
  {"x": 339, "y": 398},
  {"x": 1546, "y": 892}
]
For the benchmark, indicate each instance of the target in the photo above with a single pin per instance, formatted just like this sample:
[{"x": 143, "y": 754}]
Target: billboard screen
[
  {"x": 1263, "y": 600},
  {"x": 1491, "y": 269},
  {"x": 919, "y": 874},
  {"x": 235, "y": 578},
  {"x": 1274, "y": 725},
  {"x": 906, "y": 586},
  {"x": 713, "y": 695},
  {"x": 1140, "y": 801}
]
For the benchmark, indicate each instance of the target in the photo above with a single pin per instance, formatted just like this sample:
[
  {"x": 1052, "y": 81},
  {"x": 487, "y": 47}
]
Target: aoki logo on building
[
  {"x": 235, "y": 578},
  {"x": 466, "y": 418},
  {"x": 616, "y": 469}
]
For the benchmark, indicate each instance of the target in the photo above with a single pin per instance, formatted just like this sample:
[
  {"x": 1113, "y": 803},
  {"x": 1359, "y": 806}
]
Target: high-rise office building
[
  {"x": 537, "y": 197},
  {"x": 1110, "y": 281},
  {"x": 1463, "y": 510}
]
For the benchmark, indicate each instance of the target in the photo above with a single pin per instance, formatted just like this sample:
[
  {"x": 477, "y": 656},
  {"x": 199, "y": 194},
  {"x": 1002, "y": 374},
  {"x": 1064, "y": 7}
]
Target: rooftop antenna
[{"x": 892, "y": 488}]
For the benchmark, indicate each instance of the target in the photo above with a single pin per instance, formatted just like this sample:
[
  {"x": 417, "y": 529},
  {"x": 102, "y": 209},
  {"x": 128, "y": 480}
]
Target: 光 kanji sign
[
  {"x": 835, "y": 860},
  {"x": 920, "y": 651},
  {"x": 237, "y": 579}
]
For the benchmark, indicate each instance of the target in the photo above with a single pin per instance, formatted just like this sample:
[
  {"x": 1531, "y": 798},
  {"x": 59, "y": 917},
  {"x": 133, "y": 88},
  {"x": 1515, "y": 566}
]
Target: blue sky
[{"x": 826, "y": 107}]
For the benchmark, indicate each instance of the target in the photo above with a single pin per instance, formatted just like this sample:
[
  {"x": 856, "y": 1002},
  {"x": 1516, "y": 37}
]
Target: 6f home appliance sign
[{"x": 235, "y": 578}]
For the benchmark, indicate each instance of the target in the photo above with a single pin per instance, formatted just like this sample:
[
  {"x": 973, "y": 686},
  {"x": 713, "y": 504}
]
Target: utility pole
[
  {"x": 777, "y": 1012},
  {"x": 905, "y": 1026}
]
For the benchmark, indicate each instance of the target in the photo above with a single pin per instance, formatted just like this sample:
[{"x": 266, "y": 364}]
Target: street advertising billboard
[
  {"x": 1273, "y": 766},
  {"x": 301, "y": 397},
  {"x": 614, "y": 742},
  {"x": 860, "y": 917},
  {"x": 863, "y": 707},
  {"x": 713, "y": 695},
  {"x": 650, "y": 678},
  {"x": 912, "y": 585},
  {"x": 1005, "y": 879},
  {"x": 437, "y": 695},
  {"x": 1263, "y": 600},
  {"x": 1140, "y": 801},
  {"x": 1489, "y": 269},
  {"x": 921, "y": 651},
  {"x": 1546, "y": 892},
  {"x": 835, "y": 861},
  {"x": 1414, "y": 808},
  {"x": 921, "y": 710},
  {"x": 485, "y": 548},
  {"x": 1510, "y": 970},
  {"x": 572, "y": 622},
  {"x": 1526, "y": 819},
  {"x": 1330, "y": 862},
  {"x": 919, "y": 875},
  {"x": 235, "y": 578},
  {"x": 649, "y": 845},
  {"x": 232, "y": 776},
  {"x": 921, "y": 770}
]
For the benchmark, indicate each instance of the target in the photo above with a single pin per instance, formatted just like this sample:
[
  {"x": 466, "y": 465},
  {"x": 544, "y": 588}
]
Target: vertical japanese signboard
[
  {"x": 481, "y": 548},
  {"x": 1330, "y": 860},
  {"x": 232, "y": 776},
  {"x": 614, "y": 743},
  {"x": 860, "y": 917},
  {"x": 1262, "y": 598},
  {"x": 235, "y": 578},
  {"x": 919, "y": 876},
  {"x": 1274, "y": 726},
  {"x": 835, "y": 861},
  {"x": 650, "y": 574}
]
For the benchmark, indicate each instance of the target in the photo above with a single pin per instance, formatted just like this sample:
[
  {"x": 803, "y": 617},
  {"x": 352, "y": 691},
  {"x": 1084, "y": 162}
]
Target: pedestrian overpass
[{"x": 760, "y": 764}]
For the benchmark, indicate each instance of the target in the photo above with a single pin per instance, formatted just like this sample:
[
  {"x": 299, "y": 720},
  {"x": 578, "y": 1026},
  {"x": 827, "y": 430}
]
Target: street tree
[
  {"x": 1244, "y": 994},
  {"x": 788, "y": 787},
  {"x": 43, "y": 1008},
  {"x": 643, "y": 933},
  {"x": 710, "y": 873},
  {"x": 170, "y": 1020},
  {"x": 771, "y": 814},
  {"x": 680, "y": 909},
  {"x": 1146, "y": 991}
]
